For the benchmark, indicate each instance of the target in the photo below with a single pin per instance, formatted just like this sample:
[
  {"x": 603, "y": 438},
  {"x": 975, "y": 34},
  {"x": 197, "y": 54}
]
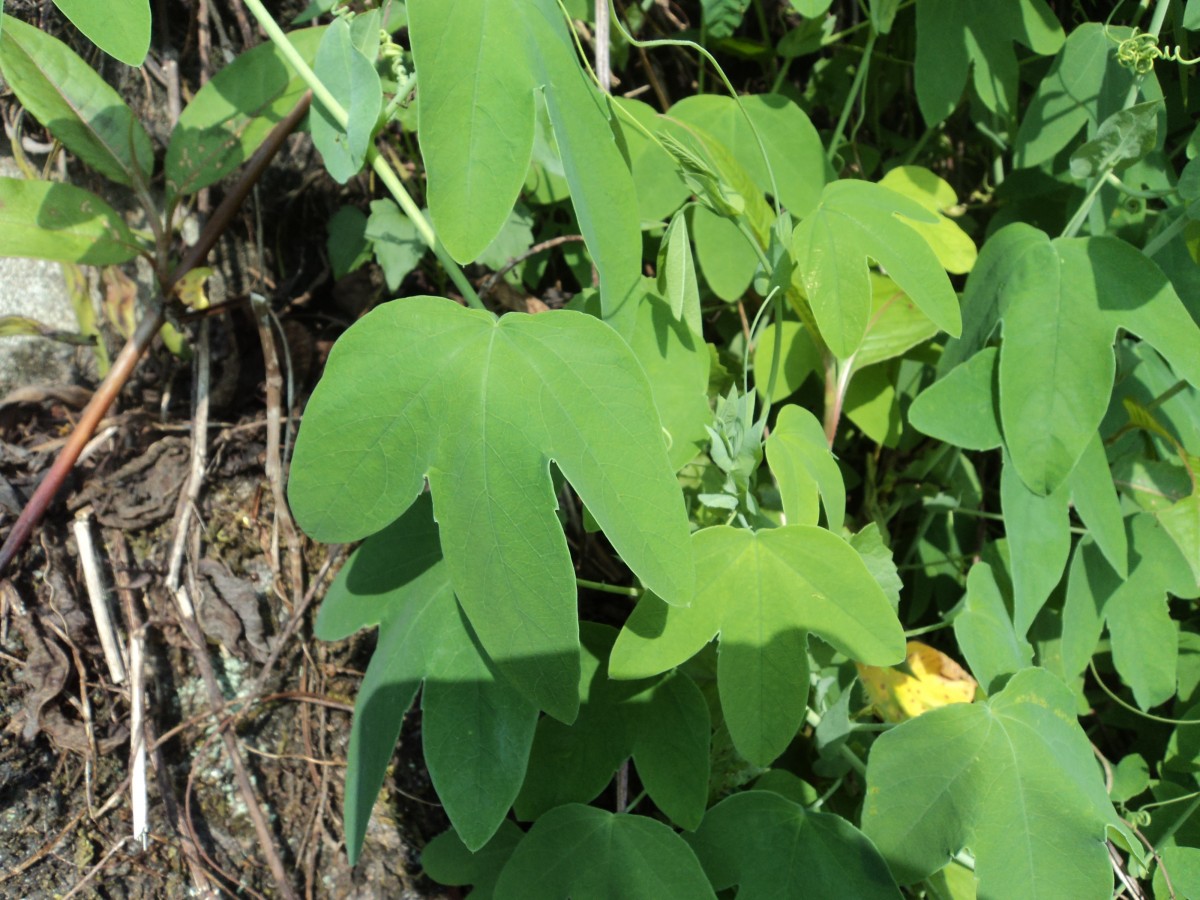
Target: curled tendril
[{"x": 1140, "y": 51}]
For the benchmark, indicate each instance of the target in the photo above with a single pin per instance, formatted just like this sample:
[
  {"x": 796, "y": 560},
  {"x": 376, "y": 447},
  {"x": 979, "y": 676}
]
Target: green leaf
[
  {"x": 1094, "y": 497},
  {"x": 477, "y": 731},
  {"x": 587, "y": 853},
  {"x": 954, "y": 248},
  {"x": 1014, "y": 779},
  {"x": 1121, "y": 140},
  {"x": 1085, "y": 85},
  {"x": 1182, "y": 522},
  {"x": 447, "y": 860},
  {"x": 676, "y": 362},
  {"x": 660, "y": 191},
  {"x": 352, "y": 80},
  {"x": 347, "y": 243},
  {"x": 1091, "y": 582},
  {"x": 726, "y": 257},
  {"x": 1062, "y": 302},
  {"x": 232, "y": 114},
  {"x": 869, "y": 545},
  {"x": 956, "y": 35},
  {"x": 1145, "y": 639},
  {"x": 896, "y": 324},
  {"x": 677, "y": 273},
  {"x": 75, "y": 104},
  {"x": 793, "y": 147},
  {"x": 1191, "y": 15},
  {"x": 664, "y": 725},
  {"x": 48, "y": 220},
  {"x": 856, "y": 220},
  {"x": 121, "y": 28},
  {"x": 477, "y": 132},
  {"x": 722, "y": 17},
  {"x": 763, "y": 592},
  {"x": 514, "y": 239},
  {"x": 398, "y": 245},
  {"x": 771, "y": 847},
  {"x": 800, "y": 359},
  {"x": 1183, "y": 863},
  {"x": 802, "y": 464},
  {"x": 985, "y": 634},
  {"x": 872, "y": 403},
  {"x": 810, "y": 9},
  {"x": 1039, "y": 533},
  {"x": 423, "y": 388},
  {"x": 956, "y": 407}
]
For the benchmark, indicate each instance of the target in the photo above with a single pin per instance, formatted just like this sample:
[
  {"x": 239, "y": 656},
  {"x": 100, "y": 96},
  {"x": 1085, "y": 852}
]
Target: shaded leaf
[
  {"x": 476, "y": 729},
  {"x": 447, "y": 860},
  {"x": 1039, "y": 533},
  {"x": 586, "y": 853},
  {"x": 397, "y": 243},
  {"x": 802, "y": 464},
  {"x": 771, "y": 847},
  {"x": 800, "y": 359},
  {"x": 984, "y": 629},
  {"x": 963, "y": 407},
  {"x": 48, "y": 220},
  {"x": 1121, "y": 140}
]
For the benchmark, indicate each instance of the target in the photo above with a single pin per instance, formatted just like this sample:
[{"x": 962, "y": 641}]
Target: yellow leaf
[
  {"x": 190, "y": 288},
  {"x": 932, "y": 679}
]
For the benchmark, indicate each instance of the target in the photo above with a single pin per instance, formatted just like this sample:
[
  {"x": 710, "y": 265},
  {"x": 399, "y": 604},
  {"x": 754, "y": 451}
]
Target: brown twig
[
  {"x": 137, "y": 345},
  {"x": 521, "y": 257}
]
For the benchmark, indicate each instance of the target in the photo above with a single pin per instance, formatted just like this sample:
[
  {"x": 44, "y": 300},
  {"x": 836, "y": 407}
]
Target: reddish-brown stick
[{"x": 138, "y": 343}]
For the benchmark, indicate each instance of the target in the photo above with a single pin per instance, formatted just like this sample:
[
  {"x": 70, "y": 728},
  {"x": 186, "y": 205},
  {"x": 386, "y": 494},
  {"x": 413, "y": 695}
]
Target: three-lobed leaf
[
  {"x": 763, "y": 592},
  {"x": 422, "y": 388},
  {"x": 1013, "y": 779}
]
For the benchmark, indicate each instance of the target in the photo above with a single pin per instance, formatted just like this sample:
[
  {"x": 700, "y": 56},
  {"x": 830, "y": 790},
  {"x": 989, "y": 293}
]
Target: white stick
[
  {"x": 137, "y": 741},
  {"x": 95, "y": 589}
]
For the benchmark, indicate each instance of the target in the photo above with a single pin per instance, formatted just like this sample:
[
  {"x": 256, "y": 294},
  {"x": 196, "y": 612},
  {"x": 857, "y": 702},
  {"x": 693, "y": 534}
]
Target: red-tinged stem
[{"x": 137, "y": 344}]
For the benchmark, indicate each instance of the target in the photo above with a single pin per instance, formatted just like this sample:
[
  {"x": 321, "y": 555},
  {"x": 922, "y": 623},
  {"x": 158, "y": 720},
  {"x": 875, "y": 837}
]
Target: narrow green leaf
[
  {"x": 422, "y": 388},
  {"x": 1039, "y": 532},
  {"x": 352, "y": 80},
  {"x": 1095, "y": 499},
  {"x": 1091, "y": 582},
  {"x": 74, "y": 103},
  {"x": 963, "y": 407},
  {"x": 48, "y": 220},
  {"x": 802, "y": 464},
  {"x": 771, "y": 847},
  {"x": 1013, "y": 779},
  {"x": 476, "y": 729},
  {"x": 1121, "y": 140},
  {"x": 583, "y": 852},
  {"x": 764, "y": 592},
  {"x": 671, "y": 748},
  {"x": 856, "y": 220},
  {"x": 677, "y": 272},
  {"x": 232, "y": 114},
  {"x": 985, "y": 634},
  {"x": 121, "y": 28}
]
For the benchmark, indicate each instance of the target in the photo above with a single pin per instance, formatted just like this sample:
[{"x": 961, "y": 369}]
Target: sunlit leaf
[
  {"x": 48, "y": 220},
  {"x": 121, "y": 28}
]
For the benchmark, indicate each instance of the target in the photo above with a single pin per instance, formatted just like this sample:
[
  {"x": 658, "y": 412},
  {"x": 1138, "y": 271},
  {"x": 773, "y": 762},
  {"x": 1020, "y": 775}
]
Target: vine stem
[
  {"x": 380, "y": 165},
  {"x": 859, "y": 77}
]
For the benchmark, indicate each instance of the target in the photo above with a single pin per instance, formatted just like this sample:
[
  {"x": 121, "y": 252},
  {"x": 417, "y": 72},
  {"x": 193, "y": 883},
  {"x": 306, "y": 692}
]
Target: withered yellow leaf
[{"x": 926, "y": 680}]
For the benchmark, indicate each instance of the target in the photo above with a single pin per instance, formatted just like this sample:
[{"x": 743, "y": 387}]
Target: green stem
[
  {"x": 608, "y": 588},
  {"x": 384, "y": 171},
  {"x": 851, "y": 97},
  {"x": 845, "y": 752},
  {"x": 1165, "y": 236},
  {"x": 1084, "y": 208},
  {"x": 927, "y": 629}
]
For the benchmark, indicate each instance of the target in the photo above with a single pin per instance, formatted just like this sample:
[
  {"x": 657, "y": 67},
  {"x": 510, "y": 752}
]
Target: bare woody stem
[{"x": 138, "y": 343}]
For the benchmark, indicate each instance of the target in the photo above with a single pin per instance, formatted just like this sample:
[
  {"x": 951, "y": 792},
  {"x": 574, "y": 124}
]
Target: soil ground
[{"x": 256, "y": 673}]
